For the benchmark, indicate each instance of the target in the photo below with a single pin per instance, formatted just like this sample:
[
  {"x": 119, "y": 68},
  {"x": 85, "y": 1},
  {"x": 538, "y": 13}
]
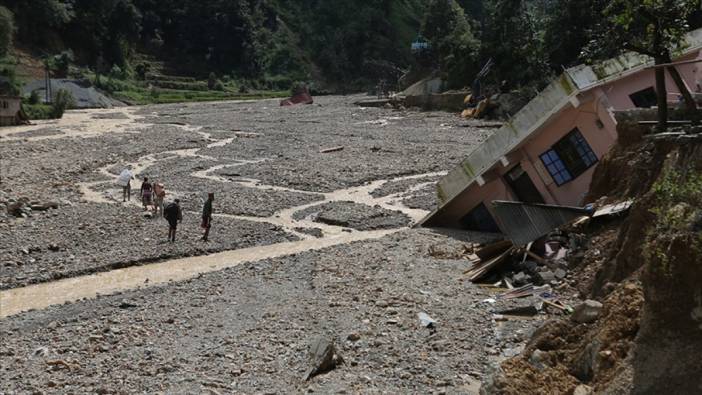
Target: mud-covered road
[{"x": 303, "y": 244}]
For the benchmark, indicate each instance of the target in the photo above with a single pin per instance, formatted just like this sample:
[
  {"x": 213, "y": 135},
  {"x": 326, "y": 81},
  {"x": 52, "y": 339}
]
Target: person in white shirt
[{"x": 124, "y": 179}]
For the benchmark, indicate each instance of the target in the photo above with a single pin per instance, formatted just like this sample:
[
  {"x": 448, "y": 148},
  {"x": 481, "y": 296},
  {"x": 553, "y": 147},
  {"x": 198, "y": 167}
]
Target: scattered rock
[
  {"x": 127, "y": 304},
  {"x": 44, "y": 206},
  {"x": 547, "y": 276},
  {"x": 323, "y": 357},
  {"x": 426, "y": 321},
  {"x": 520, "y": 278},
  {"x": 582, "y": 389},
  {"x": 587, "y": 312},
  {"x": 41, "y": 352},
  {"x": 537, "y": 359},
  {"x": 354, "y": 336}
]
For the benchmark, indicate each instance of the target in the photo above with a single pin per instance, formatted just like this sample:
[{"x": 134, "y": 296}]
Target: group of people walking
[{"x": 154, "y": 195}]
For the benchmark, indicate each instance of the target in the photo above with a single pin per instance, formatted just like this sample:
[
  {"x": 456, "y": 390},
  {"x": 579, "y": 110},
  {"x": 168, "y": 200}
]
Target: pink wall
[
  {"x": 495, "y": 189},
  {"x": 600, "y": 140},
  {"x": 598, "y": 103},
  {"x": 618, "y": 91},
  {"x": 571, "y": 193}
]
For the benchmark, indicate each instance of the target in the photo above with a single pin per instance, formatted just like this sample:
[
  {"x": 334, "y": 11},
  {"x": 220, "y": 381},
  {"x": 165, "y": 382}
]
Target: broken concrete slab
[{"x": 526, "y": 311}]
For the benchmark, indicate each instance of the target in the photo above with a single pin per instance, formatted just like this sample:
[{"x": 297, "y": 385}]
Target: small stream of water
[{"x": 42, "y": 295}]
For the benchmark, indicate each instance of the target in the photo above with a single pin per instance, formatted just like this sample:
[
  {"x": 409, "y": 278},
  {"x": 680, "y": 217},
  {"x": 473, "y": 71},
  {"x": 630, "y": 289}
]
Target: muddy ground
[
  {"x": 258, "y": 158},
  {"x": 246, "y": 328}
]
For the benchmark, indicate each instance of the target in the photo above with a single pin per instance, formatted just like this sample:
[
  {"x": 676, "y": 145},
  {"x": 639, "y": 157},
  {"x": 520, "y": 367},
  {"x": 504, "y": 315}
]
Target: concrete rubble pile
[{"x": 538, "y": 269}]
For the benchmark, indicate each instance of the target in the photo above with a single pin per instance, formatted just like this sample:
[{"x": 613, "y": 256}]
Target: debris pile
[
  {"x": 300, "y": 96},
  {"x": 552, "y": 244},
  {"x": 543, "y": 262},
  {"x": 636, "y": 327}
]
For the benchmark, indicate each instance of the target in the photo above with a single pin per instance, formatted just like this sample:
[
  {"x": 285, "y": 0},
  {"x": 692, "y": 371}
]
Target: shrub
[
  {"x": 298, "y": 87},
  {"x": 9, "y": 83},
  {"x": 218, "y": 85},
  {"x": 63, "y": 100},
  {"x": 37, "y": 111},
  {"x": 116, "y": 72},
  {"x": 34, "y": 97},
  {"x": 183, "y": 86},
  {"x": 109, "y": 85},
  {"x": 211, "y": 81},
  {"x": 61, "y": 63},
  {"x": 141, "y": 70},
  {"x": 154, "y": 93}
]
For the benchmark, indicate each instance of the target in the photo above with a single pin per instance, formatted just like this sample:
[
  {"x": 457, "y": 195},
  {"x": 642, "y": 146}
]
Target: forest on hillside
[{"x": 346, "y": 44}]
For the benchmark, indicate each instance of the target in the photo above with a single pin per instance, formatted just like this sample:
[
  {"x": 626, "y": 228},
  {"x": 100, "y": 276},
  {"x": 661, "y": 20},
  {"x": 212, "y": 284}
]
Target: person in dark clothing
[
  {"x": 146, "y": 192},
  {"x": 173, "y": 214},
  {"x": 207, "y": 216}
]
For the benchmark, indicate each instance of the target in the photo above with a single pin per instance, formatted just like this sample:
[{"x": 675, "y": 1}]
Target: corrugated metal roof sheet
[{"x": 525, "y": 222}]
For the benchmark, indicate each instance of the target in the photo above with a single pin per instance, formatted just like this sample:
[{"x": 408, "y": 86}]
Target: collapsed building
[{"x": 547, "y": 152}]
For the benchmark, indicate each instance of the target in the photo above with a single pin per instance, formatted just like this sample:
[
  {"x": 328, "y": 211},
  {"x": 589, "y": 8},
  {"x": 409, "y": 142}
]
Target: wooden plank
[
  {"x": 536, "y": 257},
  {"x": 482, "y": 268},
  {"x": 670, "y": 121},
  {"x": 332, "y": 149},
  {"x": 493, "y": 249}
]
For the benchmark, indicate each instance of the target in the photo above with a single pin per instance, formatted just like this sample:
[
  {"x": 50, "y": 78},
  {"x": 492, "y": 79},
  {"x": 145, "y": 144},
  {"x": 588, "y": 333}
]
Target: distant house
[
  {"x": 10, "y": 110},
  {"x": 547, "y": 152}
]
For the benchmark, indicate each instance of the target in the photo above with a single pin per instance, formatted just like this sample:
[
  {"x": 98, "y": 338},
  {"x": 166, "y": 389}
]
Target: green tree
[
  {"x": 512, "y": 38},
  {"x": 60, "y": 63},
  {"x": 7, "y": 30},
  {"x": 655, "y": 28},
  {"x": 37, "y": 20},
  {"x": 567, "y": 28},
  {"x": 447, "y": 29},
  {"x": 63, "y": 100}
]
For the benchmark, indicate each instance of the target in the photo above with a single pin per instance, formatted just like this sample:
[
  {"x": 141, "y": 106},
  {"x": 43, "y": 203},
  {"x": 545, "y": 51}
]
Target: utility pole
[{"x": 47, "y": 81}]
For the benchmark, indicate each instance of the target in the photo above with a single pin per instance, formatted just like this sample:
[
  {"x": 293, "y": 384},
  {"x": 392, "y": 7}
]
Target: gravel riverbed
[{"x": 245, "y": 329}]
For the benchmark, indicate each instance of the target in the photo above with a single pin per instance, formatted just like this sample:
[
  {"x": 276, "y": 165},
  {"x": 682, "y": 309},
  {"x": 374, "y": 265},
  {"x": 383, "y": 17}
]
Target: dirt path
[{"x": 43, "y": 295}]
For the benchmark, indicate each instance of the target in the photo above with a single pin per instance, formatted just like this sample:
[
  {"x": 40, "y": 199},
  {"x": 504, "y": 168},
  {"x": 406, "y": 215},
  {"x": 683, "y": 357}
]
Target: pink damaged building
[{"x": 548, "y": 151}]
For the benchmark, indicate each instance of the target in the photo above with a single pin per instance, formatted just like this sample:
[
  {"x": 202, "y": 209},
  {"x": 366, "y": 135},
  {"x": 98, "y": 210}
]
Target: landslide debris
[{"x": 646, "y": 272}]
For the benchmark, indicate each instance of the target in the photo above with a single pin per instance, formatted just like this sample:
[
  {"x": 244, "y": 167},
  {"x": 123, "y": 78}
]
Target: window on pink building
[
  {"x": 645, "y": 98},
  {"x": 570, "y": 157}
]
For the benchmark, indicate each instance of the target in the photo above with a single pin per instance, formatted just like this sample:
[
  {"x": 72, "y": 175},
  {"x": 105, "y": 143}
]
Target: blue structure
[{"x": 420, "y": 44}]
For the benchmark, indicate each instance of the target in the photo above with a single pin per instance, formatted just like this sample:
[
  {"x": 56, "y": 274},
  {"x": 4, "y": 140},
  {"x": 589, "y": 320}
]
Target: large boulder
[{"x": 323, "y": 357}]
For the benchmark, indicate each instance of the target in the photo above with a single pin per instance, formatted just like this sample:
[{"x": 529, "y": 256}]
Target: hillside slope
[{"x": 347, "y": 44}]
